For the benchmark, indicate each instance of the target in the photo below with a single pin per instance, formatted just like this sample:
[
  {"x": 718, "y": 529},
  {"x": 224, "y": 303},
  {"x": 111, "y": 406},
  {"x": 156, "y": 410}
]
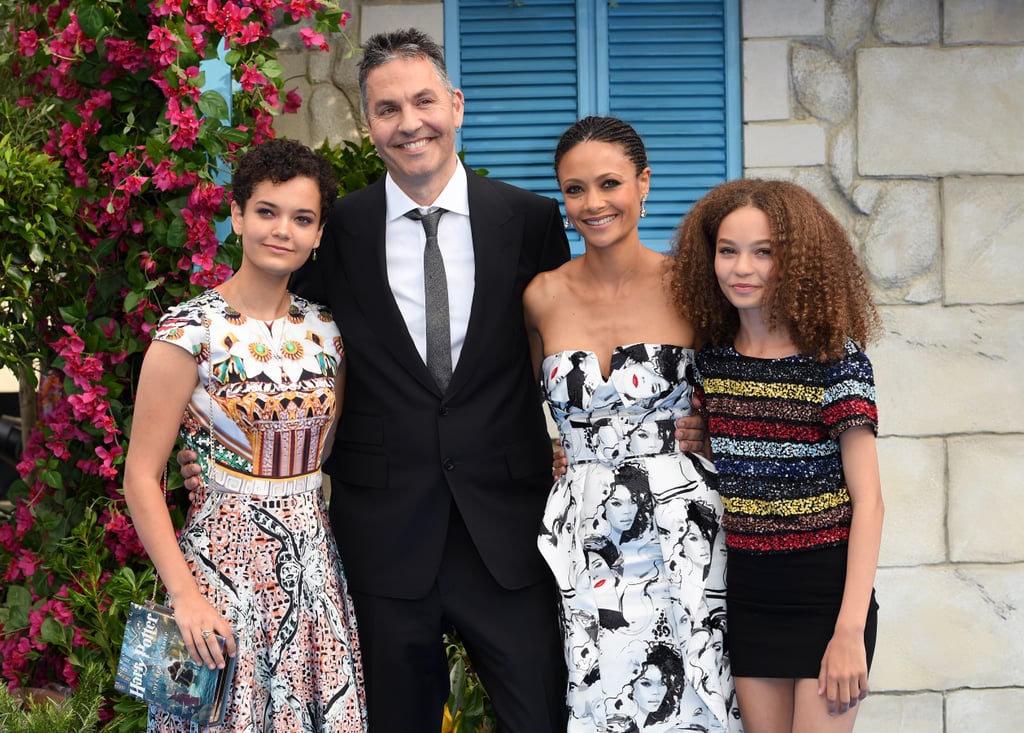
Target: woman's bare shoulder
[{"x": 552, "y": 281}]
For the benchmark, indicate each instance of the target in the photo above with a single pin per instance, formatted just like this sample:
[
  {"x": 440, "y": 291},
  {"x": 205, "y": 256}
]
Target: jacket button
[
  {"x": 443, "y": 411},
  {"x": 449, "y": 464}
]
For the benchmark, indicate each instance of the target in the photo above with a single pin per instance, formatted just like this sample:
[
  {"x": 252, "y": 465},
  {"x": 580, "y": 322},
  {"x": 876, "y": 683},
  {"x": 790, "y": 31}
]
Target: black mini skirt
[{"x": 782, "y": 611}]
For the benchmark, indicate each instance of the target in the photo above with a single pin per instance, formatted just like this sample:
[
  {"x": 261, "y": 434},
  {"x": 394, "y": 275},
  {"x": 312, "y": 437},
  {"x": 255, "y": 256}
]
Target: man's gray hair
[{"x": 403, "y": 44}]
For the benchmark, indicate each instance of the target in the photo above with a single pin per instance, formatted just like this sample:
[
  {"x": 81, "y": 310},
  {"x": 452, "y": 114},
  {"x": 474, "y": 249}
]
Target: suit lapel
[
  {"x": 364, "y": 259},
  {"x": 497, "y": 234}
]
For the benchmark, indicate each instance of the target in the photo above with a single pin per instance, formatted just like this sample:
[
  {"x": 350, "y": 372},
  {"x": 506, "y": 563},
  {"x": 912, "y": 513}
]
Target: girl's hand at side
[
  {"x": 843, "y": 679},
  {"x": 195, "y": 616}
]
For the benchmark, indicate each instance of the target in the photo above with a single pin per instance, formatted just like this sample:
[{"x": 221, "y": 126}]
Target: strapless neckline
[{"x": 616, "y": 350}]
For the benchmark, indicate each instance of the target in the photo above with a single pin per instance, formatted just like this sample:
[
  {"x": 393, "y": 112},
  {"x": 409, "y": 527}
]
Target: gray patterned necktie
[{"x": 435, "y": 285}]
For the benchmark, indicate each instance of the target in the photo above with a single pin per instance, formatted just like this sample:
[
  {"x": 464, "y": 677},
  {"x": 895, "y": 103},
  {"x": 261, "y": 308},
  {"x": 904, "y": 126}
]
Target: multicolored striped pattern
[{"x": 774, "y": 426}]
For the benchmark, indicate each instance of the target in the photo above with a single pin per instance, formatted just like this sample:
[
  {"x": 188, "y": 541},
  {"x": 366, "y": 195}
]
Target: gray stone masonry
[
  {"x": 918, "y": 105},
  {"x": 906, "y": 118}
]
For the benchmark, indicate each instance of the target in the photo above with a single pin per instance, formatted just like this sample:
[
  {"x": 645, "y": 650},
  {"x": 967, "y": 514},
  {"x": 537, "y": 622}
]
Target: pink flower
[
  {"x": 28, "y": 43},
  {"x": 292, "y": 101},
  {"x": 264, "y": 127},
  {"x": 271, "y": 94},
  {"x": 8, "y": 541},
  {"x": 166, "y": 8},
  {"x": 71, "y": 345},
  {"x": 23, "y": 519},
  {"x": 251, "y": 77},
  {"x": 83, "y": 405},
  {"x": 185, "y": 124},
  {"x": 311, "y": 38},
  {"x": 124, "y": 54},
  {"x": 35, "y": 619},
  {"x": 227, "y": 18},
  {"x": 163, "y": 46},
  {"x": 69, "y": 673},
  {"x": 250, "y": 33},
  {"x": 202, "y": 261},
  {"x": 27, "y": 563},
  {"x": 122, "y": 538},
  {"x": 107, "y": 468},
  {"x": 165, "y": 178},
  {"x": 147, "y": 262},
  {"x": 16, "y": 658},
  {"x": 61, "y": 613},
  {"x": 299, "y": 9},
  {"x": 206, "y": 196}
]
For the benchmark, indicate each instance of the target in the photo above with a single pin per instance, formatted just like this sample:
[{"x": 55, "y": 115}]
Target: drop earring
[
  {"x": 314, "y": 253},
  {"x": 643, "y": 207},
  {"x": 566, "y": 224}
]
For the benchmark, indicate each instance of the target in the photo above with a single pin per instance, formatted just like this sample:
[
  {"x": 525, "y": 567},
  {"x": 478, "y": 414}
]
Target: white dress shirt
[{"x": 405, "y": 242}]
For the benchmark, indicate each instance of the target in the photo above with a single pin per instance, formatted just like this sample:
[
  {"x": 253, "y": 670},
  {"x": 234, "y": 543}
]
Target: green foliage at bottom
[
  {"x": 76, "y": 714},
  {"x": 469, "y": 709}
]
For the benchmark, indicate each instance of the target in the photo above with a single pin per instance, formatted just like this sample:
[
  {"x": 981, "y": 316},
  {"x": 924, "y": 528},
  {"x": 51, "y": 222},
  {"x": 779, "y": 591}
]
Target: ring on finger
[{"x": 206, "y": 633}]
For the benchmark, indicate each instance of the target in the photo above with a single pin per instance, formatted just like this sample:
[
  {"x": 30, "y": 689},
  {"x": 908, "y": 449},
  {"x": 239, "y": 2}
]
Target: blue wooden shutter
[
  {"x": 530, "y": 68},
  {"x": 666, "y": 77},
  {"x": 517, "y": 67}
]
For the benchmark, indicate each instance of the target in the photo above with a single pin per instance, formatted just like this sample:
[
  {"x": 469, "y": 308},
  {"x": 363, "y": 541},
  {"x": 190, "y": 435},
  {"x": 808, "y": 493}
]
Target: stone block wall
[
  {"x": 328, "y": 81},
  {"x": 906, "y": 117}
]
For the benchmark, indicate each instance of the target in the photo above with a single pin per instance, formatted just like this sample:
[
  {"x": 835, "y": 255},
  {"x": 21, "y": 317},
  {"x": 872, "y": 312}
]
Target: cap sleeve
[{"x": 182, "y": 326}]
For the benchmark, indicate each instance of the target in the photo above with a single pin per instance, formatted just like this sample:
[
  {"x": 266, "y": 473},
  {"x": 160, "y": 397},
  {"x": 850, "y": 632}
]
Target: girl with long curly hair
[{"x": 774, "y": 290}]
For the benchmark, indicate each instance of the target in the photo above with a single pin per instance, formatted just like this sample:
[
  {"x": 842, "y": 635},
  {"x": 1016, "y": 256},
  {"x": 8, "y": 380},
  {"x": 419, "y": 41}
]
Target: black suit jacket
[{"x": 403, "y": 450}]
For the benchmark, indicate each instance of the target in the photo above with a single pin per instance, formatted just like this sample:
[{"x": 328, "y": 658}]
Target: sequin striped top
[{"x": 774, "y": 426}]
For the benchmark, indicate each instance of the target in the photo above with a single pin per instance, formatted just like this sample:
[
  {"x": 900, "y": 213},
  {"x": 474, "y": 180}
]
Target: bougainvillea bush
[{"x": 138, "y": 147}]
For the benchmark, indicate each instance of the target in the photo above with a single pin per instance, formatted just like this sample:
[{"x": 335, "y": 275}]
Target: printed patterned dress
[
  {"x": 632, "y": 533},
  {"x": 257, "y": 538}
]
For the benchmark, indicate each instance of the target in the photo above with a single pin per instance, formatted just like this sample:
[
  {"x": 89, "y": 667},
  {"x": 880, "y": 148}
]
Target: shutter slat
[{"x": 666, "y": 76}]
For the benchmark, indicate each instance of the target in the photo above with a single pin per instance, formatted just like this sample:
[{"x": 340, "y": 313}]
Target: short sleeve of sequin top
[{"x": 849, "y": 398}]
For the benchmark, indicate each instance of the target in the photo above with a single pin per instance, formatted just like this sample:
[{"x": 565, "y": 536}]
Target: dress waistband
[
  {"x": 606, "y": 440},
  {"x": 229, "y": 482}
]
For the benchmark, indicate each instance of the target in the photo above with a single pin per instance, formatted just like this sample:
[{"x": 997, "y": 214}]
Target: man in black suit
[{"x": 437, "y": 491}]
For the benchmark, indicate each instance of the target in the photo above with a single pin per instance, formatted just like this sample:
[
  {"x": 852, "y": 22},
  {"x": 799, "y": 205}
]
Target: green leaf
[
  {"x": 272, "y": 69},
  {"x": 177, "y": 233},
  {"x": 19, "y": 602},
  {"x": 90, "y": 20},
  {"x": 52, "y": 478},
  {"x": 234, "y": 135},
  {"x": 53, "y": 632},
  {"x": 212, "y": 104},
  {"x": 36, "y": 254},
  {"x": 131, "y": 301}
]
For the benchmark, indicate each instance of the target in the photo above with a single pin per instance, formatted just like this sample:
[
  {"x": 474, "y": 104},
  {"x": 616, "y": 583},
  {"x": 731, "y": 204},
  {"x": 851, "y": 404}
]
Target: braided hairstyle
[{"x": 604, "y": 130}]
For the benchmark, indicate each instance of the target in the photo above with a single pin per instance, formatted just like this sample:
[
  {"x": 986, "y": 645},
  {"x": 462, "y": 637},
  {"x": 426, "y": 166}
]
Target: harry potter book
[{"x": 155, "y": 667}]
